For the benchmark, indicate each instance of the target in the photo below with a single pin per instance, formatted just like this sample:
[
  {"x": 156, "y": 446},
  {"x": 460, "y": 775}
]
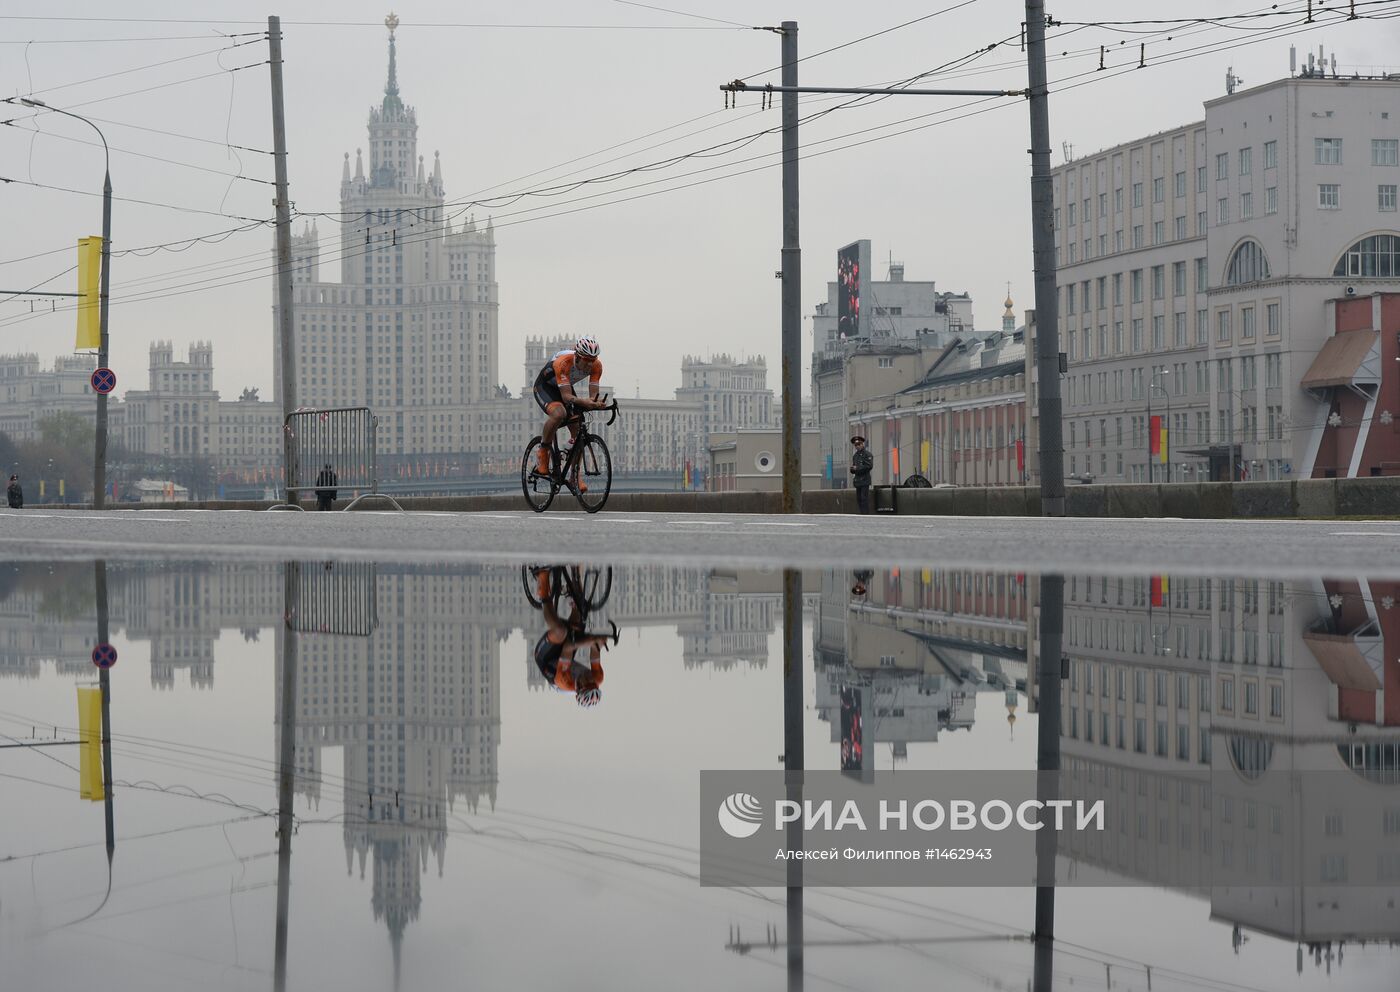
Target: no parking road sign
[
  {"x": 103, "y": 380},
  {"x": 104, "y": 656}
]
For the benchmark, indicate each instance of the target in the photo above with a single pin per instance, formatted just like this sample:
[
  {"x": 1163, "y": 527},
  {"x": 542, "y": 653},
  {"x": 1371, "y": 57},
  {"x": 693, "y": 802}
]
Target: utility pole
[
  {"x": 286, "y": 773},
  {"x": 1047, "y": 685},
  {"x": 792, "y": 284},
  {"x": 791, "y": 273},
  {"x": 794, "y": 765},
  {"x": 284, "y": 249},
  {"x": 1047, "y": 310}
]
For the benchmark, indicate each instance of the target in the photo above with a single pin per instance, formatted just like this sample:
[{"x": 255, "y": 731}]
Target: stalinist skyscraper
[{"x": 410, "y": 330}]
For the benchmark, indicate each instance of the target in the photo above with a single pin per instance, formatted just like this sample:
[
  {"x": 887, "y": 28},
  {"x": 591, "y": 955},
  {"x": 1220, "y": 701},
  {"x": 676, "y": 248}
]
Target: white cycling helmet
[{"x": 587, "y": 347}]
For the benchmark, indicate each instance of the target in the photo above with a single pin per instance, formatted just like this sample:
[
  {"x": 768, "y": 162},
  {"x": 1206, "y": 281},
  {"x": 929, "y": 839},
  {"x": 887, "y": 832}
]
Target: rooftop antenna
[
  {"x": 1292, "y": 60},
  {"x": 1231, "y": 80},
  {"x": 1068, "y": 150}
]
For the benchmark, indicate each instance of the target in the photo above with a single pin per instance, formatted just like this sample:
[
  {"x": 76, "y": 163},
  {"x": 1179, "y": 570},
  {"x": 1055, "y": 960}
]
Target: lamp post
[
  {"x": 1153, "y": 384},
  {"x": 99, "y": 463}
]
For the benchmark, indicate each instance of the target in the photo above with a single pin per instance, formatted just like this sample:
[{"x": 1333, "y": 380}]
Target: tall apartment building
[
  {"x": 1195, "y": 270},
  {"x": 410, "y": 329},
  {"x": 733, "y": 393}
]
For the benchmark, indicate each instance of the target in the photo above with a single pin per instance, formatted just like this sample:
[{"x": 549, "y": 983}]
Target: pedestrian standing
[
  {"x": 14, "y": 494},
  {"x": 325, "y": 488},
  {"x": 862, "y": 461}
]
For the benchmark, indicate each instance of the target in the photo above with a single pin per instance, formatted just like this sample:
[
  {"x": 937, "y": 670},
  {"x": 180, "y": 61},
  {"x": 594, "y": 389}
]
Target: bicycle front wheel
[
  {"x": 539, "y": 489},
  {"x": 591, "y": 476}
]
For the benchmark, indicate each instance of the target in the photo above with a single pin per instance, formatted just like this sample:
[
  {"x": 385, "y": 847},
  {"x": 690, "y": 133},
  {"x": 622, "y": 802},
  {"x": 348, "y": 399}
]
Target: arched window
[
  {"x": 1377, "y": 256},
  {"x": 1247, "y": 264}
]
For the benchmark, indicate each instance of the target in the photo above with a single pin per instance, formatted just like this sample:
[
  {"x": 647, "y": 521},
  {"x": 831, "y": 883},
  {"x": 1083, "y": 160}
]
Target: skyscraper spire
[{"x": 391, "y": 89}]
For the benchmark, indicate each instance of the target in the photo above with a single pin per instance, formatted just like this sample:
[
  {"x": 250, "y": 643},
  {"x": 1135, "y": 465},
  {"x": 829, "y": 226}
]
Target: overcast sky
[{"x": 683, "y": 271}]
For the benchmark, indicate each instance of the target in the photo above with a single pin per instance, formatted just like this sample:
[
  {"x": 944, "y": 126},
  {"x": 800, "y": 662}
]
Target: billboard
[
  {"x": 852, "y": 265},
  {"x": 852, "y": 737}
]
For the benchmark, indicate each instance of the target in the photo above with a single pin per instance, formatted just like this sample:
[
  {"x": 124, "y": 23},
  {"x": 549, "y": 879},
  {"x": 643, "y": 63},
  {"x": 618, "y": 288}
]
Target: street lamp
[
  {"x": 99, "y": 464},
  {"x": 1151, "y": 385}
]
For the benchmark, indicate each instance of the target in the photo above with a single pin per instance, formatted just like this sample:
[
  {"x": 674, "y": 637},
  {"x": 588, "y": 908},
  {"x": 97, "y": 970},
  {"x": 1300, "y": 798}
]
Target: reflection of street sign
[
  {"x": 103, "y": 380},
  {"x": 104, "y": 656}
]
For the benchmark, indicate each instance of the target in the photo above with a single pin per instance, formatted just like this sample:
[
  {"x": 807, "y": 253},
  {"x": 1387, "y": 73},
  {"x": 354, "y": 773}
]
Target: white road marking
[
  {"x": 774, "y": 523},
  {"x": 138, "y": 515},
  {"x": 1364, "y": 533}
]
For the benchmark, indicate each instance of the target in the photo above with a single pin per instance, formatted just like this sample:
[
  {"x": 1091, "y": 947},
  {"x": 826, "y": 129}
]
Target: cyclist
[
  {"x": 554, "y": 391},
  {"x": 566, "y": 654}
]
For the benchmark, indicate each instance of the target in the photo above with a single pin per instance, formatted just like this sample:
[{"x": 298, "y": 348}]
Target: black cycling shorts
[
  {"x": 547, "y": 393},
  {"x": 547, "y": 655}
]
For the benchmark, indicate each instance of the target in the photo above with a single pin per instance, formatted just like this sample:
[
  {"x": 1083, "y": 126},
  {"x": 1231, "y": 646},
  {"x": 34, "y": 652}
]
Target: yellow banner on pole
[
  {"x": 923, "y": 456},
  {"x": 89, "y": 304},
  {"x": 90, "y": 750}
]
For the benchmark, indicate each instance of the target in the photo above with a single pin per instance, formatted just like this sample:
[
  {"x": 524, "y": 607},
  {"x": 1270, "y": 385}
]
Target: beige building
[
  {"x": 752, "y": 461},
  {"x": 29, "y": 393}
]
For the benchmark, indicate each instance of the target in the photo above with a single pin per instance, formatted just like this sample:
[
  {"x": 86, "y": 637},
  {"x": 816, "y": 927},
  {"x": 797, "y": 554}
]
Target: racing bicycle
[{"x": 585, "y": 468}]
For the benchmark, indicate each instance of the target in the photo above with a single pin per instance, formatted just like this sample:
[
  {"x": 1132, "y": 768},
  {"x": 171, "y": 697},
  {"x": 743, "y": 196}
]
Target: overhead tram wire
[
  {"x": 128, "y": 151},
  {"x": 128, "y": 199},
  {"x": 150, "y": 65},
  {"x": 1203, "y": 49},
  {"x": 145, "y": 250},
  {"x": 102, "y": 41},
  {"x": 380, "y": 24}
]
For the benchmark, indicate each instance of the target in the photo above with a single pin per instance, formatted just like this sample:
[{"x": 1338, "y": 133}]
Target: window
[
  {"x": 1137, "y": 285},
  {"x": 1118, "y": 350},
  {"x": 1159, "y": 189},
  {"x": 1385, "y": 151},
  {"x": 888, "y": 363},
  {"x": 1202, "y": 327},
  {"x": 1327, "y": 151},
  {"x": 1329, "y": 196},
  {"x": 1273, "y": 369},
  {"x": 1117, "y": 240},
  {"x": 1071, "y": 208},
  {"x": 1102, "y": 287},
  {"x": 1137, "y": 194},
  {"x": 1200, "y": 179},
  {"x": 1179, "y": 338},
  {"x": 1246, "y": 157},
  {"x": 1117, "y": 288},
  {"x": 1271, "y": 325},
  {"x": 1137, "y": 236},
  {"x": 1246, "y": 206},
  {"x": 1222, "y": 210},
  {"x": 1069, "y": 299},
  {"x": 1103, "y": 204},
  {"x": 1159, "y": 282},
  {"x": 1180, "y": 184},
  {"x": 1271, "y": 200},
  {"x": 1200, "y": 223},
  {"x": 1222, "y": 166},
  {"x": 1247, "y": 324},
  {"x": 1385, "y": 196},
  {"x": 1178, "y": 278},
  {"x": 1118, "y": 200},
  {"x": 1247, "y": 264},
  {"x": 1137, "y": 346},
  {"x": 1202, "y": 275},
  {"x": 1159, "y": 231},
  {"x": 1271, "y": 154},
  {"x": 1159, "y": 332},
  {"x": 1222, "y": 327},
  {"x": 1376, "y": 256},
  {"x": 1179, "y": 231},
  {"x": 1275, "y": 700}
]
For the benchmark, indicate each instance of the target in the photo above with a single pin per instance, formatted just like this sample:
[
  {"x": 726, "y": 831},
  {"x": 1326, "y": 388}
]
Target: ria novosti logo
[{"x": 741, "y": 815}]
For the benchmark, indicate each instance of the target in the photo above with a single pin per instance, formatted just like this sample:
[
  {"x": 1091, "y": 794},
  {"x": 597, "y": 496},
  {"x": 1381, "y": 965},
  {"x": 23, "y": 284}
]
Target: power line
[
  {"x": 215, "y": 238},
  {"x": 96, "y": 41},
  {"x": 128, "y": 199},
  {"x": 683, "y": 13},
  {"x": 142, "y": 68},
  {"x": 380, "y": 24},
  {"x": 127, "y": 151}
]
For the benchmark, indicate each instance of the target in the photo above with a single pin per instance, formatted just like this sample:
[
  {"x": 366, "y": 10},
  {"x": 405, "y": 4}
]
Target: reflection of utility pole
[
  {"x": 104, "y": 680},
  {"x": 794, "y": 763},
  {"x": 1049, "y": 670},
  {"x": 286, "y": 773}
]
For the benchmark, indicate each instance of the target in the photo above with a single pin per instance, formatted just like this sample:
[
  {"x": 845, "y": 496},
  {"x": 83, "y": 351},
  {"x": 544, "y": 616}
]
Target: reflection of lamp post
[
  {"x": 99, "y": 464},
  {"x": 1151, "y": 385}
]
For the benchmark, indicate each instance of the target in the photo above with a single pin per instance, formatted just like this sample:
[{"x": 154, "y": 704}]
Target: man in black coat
[
  {"x": 325, "y": 488},
  {"x": 862, "y": 461},
  {"x": 15, "y": 494}
]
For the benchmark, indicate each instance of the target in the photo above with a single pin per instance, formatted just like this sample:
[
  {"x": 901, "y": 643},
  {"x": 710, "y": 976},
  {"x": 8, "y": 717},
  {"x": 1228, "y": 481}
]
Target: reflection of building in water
[
  {"x": 1241, "y": 678},
  {"x": 416, "y": 710},
  {"x": 50, "y": 614},
  {"x": 920, "y": 645},
  {"x": 740, "y": 612}
]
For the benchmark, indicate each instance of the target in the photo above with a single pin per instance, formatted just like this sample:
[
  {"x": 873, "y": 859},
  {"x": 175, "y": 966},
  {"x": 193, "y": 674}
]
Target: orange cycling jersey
[
  {"x": 564, "y": 676},
  {"x": 566, "y": 367}
]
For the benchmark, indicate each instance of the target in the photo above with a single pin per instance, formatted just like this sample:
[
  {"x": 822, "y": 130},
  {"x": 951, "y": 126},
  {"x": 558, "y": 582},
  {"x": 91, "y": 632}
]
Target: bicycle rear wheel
[
  {"x": 593, "y": 467},
  {"x": 539, "y": 489}
]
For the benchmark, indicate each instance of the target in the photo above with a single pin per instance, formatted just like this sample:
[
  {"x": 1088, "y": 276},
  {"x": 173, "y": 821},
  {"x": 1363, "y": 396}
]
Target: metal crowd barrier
[
  {"x": 342, "y": 438},
  {"x": 333, "y": 597}
]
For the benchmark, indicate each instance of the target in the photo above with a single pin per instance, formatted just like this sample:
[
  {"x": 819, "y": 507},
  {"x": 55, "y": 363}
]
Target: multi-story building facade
[
  {"x": 962, "y": 423},
  {"x": 411, "y": 327},
  {"x": 29, "y": 393},
  {"x": 896, "y": 311},
  {"x": 733, "y": 393},
  {"x": 1195, "y": 266}
]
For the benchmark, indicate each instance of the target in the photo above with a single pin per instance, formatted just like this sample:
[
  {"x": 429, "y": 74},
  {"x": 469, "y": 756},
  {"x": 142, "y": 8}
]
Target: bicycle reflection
[{"x": 568, "y": 654}]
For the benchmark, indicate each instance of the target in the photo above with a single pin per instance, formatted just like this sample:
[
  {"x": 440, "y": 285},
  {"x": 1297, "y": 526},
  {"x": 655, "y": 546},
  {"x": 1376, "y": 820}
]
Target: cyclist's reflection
[{"x": 567, "y": 653}]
